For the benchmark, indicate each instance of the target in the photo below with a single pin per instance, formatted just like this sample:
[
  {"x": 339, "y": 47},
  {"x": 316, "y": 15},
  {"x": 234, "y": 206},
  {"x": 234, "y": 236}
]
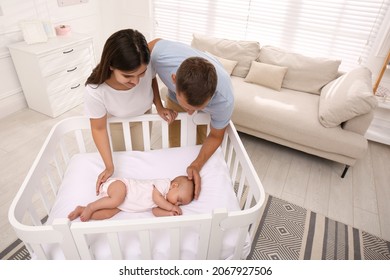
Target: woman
[{"x": 121, "y": 86}]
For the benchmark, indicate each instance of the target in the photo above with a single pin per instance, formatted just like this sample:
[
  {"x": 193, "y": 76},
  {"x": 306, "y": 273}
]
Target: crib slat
[
  {"x": 224, "y": 144},
  {"x": 240, "y": 191},
  {"x": 64, "y": 152},
  {"x": 82, "y": 245},
  {"x": 203, "y": 244},
  {"x": 68, "y": 246},
  {"x": 58, "y": 167},
  {"x": 34, "y": 216},
  {"x": 80, "y": 141},
  {"x": 146, "y": 248},
  {"x": 216, "y": 235},
  {"x": 45, "y": 200},
  {"x": 243, "y": 232},
  {"x": 53, "y": 186},
  {"x": 116, "y": 251},
  {"x": 146, "y": 135},
  {"x": 175, "y": 243},
  {"x": 164, "y": 134},
  {"x": 249, "y": 199},
  {"x": 183, "y": 133},
  {"x": 230, "y": 156},
  {"x": 235, "y": 169},
  {"x": 38, "y": 251},
  {"x": 109, "y": 135},
  {"x": 127, "y": 136},
  {"x": 253, "y": 228}
]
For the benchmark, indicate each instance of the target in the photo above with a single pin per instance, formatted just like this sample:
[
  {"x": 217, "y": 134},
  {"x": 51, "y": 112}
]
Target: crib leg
[{"x": 345, "y": 171}]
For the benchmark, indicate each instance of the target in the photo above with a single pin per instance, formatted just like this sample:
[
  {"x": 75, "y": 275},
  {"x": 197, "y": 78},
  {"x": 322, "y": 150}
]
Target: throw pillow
[
  {"x": 226, "y": 63},
  {"x": 308, "y": 74},
  {"x": 244, "y": 52},
  {"x": 346, "y": 97},
  {"x": 267, "y": 75}
]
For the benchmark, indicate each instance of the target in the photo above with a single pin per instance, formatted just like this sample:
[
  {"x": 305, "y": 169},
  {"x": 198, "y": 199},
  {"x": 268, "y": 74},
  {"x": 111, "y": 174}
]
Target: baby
[{"x": 131, "y": 195}]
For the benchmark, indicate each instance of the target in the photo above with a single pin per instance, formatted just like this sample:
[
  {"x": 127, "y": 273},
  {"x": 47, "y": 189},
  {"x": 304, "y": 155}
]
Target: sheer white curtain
[{"x": 341, "y": 29}]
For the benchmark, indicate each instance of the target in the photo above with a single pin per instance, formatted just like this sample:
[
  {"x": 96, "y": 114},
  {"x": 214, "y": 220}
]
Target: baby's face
[
  {"x": 179, "y": 195},
  {"x": 173, "y": 196}
]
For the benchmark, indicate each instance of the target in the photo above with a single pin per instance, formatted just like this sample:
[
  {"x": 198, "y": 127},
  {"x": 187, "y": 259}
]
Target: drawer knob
[
  {"x": 71, "y": 70},
  {"x": 75, "y": 86},
  {"x": 65, "y": 52}
]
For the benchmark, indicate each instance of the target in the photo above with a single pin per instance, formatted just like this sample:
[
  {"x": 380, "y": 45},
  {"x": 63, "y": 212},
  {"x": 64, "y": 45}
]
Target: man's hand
[
  {"x": 211, "y": 143},
  {"x": 193, "y": 174}
]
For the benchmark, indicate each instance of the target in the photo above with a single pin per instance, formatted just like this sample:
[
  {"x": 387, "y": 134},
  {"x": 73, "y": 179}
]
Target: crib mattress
[{"x": 78, "y": 188}]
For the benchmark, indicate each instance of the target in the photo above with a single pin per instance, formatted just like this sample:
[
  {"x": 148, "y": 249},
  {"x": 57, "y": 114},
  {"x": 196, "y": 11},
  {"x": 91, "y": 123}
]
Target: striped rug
[
  {"x": 15, "y": 251},
  {"x": 290, "y": 232}
]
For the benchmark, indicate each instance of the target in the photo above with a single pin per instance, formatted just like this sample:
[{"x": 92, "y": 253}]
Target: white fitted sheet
[{"x": 78, "y": 188}]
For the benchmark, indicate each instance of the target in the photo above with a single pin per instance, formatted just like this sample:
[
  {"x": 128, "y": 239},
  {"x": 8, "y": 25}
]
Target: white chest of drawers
[{"x": 53, "y": 74}]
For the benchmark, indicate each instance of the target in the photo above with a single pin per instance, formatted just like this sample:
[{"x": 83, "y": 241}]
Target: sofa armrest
[{"x": 360, "y": 123}]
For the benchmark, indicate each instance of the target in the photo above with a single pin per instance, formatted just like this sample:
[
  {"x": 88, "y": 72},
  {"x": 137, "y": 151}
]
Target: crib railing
[
  {"x": 144, "y": 229},
  {"x": 187, "y": 128},
  {"x": 37, "y": 195}
]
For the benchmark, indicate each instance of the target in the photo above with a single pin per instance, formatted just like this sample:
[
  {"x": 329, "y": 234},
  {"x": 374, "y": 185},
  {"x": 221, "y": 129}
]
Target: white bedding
[{"x": 78, "y": 188}]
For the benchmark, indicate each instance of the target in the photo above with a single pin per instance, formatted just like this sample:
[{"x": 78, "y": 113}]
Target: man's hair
[{"x": 196, "y": 79}]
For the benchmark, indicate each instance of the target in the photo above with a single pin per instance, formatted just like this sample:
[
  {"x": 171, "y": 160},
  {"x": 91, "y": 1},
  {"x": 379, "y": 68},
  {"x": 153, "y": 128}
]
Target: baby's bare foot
[
  {"x": 86, "y": 214},
  {"x": 76, "y": 213}
]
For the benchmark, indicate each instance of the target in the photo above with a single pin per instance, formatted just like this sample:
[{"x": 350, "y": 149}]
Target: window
[{"x": 340, "y": 29}]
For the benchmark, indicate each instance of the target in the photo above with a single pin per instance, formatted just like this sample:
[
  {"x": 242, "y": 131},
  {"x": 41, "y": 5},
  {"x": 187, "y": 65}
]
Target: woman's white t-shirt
[{"x": 100, "y": 100}]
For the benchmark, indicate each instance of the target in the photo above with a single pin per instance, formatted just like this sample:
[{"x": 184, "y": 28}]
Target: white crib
[{"x": 209, "y": 231}]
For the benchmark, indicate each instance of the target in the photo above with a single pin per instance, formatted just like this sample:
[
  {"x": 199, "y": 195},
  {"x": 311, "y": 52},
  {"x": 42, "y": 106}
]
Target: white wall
[{"x": 121, "y": 14}]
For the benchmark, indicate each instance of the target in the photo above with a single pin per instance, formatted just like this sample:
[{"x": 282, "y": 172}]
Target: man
[{"x": 195, "y": 81}]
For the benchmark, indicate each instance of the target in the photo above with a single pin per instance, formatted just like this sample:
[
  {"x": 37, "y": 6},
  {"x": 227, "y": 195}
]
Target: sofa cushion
[
  {"x": 346, "y": 97},
  {"x": 242, "y": 51},
  {"x": 229, "y": 65},
  {"x": 267, "y": 75},
  {"x": 304, "y": 73}
]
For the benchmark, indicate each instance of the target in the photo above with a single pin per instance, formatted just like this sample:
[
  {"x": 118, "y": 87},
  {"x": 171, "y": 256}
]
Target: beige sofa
[{"x": 297, "y": 101}]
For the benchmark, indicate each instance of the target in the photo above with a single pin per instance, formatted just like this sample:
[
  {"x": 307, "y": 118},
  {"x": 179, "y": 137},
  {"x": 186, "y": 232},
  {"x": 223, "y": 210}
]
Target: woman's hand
[
  {"x": 103, "y": 178},
  {"x": 167, "y": 114}
]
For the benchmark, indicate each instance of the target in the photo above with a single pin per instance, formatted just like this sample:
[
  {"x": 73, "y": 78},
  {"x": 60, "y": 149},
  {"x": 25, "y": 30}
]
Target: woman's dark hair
[{"x": 125, "y": 50}]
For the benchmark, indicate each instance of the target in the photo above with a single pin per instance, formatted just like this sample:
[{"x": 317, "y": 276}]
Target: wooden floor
[{"x": 361, "y": 199}]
